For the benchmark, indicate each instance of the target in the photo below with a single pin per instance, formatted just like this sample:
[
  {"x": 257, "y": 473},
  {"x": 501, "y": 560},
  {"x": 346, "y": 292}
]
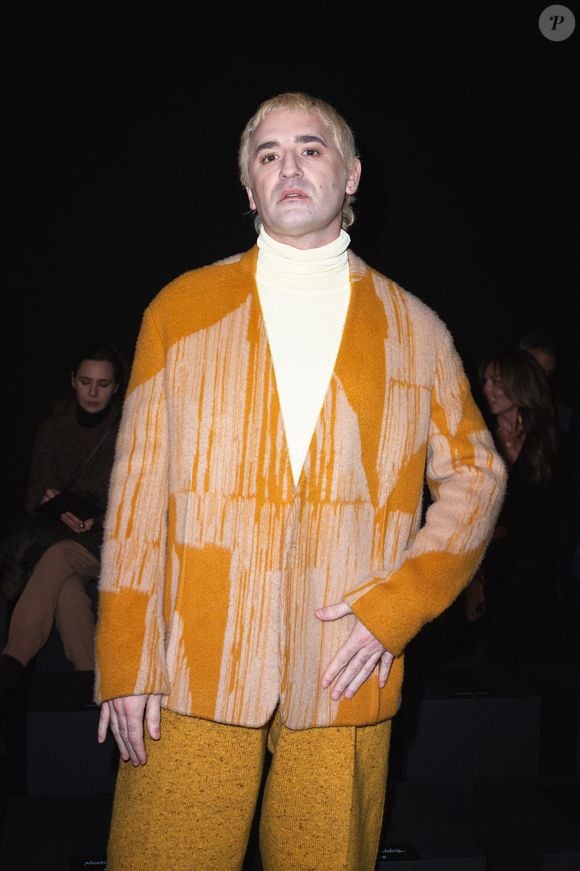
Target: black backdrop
[{"x": 120, "y": 138}]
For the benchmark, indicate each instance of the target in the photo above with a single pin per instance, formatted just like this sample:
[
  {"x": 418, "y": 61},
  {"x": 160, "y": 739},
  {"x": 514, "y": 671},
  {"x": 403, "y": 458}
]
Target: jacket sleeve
[
  {"x": 43, "y": 467},
  {"x": 130, "y": 657},
  {"x": 466, "y": 479}
]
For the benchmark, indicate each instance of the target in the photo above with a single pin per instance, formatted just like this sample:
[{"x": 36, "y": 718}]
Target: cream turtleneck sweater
[{"x": 304, "y": 297}]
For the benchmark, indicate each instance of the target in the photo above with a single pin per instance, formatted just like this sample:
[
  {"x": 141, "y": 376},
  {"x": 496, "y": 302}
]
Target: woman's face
[
  {"x": 498, "y": 401},
  {"x": 94, "y": 384}
]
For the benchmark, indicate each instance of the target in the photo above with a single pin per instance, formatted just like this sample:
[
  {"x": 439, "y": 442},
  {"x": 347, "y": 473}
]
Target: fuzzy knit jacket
[{"x": 214, "y": 561}]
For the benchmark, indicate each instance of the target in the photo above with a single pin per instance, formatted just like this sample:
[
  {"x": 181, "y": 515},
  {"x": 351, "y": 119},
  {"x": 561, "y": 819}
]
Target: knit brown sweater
[{"x": 61, "y": 445}]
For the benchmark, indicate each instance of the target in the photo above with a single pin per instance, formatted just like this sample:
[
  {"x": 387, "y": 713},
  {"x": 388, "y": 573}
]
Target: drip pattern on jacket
[{"x": 214, "y": 562}]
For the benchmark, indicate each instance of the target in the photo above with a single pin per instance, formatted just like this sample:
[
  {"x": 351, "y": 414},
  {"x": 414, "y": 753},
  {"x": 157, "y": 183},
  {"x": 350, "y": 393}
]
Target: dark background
[{"x": 120, "y": 138}]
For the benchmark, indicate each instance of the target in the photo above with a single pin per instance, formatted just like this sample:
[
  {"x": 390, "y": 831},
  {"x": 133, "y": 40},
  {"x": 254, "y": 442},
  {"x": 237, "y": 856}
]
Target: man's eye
[
  {"x": 267, "y": 158},
  {"x": 312, "y": 152}
]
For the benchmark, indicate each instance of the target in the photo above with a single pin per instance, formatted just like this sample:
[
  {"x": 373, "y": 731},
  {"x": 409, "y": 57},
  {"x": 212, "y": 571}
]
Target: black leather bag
[{"x": 68, "y": 500}]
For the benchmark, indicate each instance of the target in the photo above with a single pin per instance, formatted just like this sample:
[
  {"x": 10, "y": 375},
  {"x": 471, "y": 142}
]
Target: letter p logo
[{"x": 557, "y": 23}]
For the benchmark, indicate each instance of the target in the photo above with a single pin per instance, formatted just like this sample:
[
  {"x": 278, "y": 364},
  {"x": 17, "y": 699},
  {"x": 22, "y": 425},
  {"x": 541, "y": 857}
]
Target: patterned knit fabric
[
  {"x": 214, "y": 561},
  {"x": 191, "y": 807}
]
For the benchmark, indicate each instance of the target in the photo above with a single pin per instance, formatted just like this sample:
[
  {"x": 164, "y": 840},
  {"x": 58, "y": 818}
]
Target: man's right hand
[{"x": 125, "y": 715}]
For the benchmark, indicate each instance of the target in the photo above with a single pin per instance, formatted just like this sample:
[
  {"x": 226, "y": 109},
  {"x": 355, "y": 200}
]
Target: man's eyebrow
[
  {"x": 302, "y": 138},
  {"x": 309, "y": 137}
]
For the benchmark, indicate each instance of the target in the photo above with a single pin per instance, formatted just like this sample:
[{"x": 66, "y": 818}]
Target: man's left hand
[{"x": 357, "y": 658}]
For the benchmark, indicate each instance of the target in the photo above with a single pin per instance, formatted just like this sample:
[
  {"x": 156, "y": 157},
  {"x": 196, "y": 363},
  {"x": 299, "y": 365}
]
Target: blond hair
[{"x": 296, "y": 100}]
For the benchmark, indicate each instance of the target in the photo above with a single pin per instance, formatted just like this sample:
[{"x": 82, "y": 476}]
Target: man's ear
[
  {"x": 354, "y": 177},
  {"x": 251, "y": 199}
]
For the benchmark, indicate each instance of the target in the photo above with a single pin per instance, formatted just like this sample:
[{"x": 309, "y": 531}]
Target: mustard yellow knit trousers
[{"x": 191, "y": 807}]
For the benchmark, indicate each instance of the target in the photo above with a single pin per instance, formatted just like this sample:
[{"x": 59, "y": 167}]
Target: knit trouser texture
[
  {"x": 56, "y": 593},
  {"x": 191, "y": 807}
]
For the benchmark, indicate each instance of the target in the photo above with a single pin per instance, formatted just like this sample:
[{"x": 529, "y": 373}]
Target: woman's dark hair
[{"x": 525, "y": 382}]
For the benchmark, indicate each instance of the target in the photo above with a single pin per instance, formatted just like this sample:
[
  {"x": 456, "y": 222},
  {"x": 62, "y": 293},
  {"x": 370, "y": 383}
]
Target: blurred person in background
[
  {"x": 520, "y": 576},
  {"x": 73, "y": 451}
]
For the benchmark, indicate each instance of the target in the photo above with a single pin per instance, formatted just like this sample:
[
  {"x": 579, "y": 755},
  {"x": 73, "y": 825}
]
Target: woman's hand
[
  {"x": 48, "y": 495},
  {"x": 75, "y": 523}
]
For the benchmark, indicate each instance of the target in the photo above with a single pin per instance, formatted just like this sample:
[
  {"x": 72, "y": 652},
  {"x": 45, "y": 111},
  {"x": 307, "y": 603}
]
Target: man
[{"x": 264, "y": 566}]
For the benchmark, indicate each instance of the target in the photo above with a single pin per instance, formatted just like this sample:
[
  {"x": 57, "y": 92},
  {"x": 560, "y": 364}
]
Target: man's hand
[
  {"x": 124, "y": 715},
  {"x": 356, "y": 659}
]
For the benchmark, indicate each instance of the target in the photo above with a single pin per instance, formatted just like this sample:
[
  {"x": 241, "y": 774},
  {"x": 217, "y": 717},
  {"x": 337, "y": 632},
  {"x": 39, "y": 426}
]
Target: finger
[
  {"x": 349, "y": 649},
  {"x": 333, "y": 612},
  {"x": 68, "y": 515},
  {"x": 127, "y": 739},
  {"x": 123, "y": 735},
  {"x": 116, "y": 733},
  {"x": 153, "y": 717},
  {"x": 136, "y": 744},
  {"x": 68, "y": 523},
  {"x": 77, "y": 522},
  {"x": 338, "y": 664},
  {"x": 385, "y": 667},
  {"x": 359, "y": 643},
  {"x": 131, "y": 712},
  {"x": 353, "y": 677},
  {"x": 104, "y": 718},
  {"x": 71, "y": 521},
  {"x": 346, "y": 664}
]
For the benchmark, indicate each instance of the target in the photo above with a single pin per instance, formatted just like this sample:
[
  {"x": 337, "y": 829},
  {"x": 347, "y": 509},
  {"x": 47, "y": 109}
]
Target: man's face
[{"x": 298, "y": 180}]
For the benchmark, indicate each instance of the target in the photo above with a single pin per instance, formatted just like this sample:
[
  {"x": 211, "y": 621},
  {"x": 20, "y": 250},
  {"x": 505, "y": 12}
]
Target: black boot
[{"x": 11, "y": 671}]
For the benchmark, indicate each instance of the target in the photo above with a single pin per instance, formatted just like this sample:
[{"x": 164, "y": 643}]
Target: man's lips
[{"x": 292, "y": 194}]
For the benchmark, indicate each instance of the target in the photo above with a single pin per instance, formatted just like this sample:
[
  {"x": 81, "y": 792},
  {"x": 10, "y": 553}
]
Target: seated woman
[{"x": 73, "y": 450}]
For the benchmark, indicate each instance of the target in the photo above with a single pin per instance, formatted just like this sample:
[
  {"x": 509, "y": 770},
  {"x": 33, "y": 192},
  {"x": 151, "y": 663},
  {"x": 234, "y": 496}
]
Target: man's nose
[
  {"x": 93, "y": 389},
  {"x": 289, "y": 166}
]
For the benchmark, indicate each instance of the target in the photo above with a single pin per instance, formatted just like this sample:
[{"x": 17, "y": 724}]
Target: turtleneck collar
[
  {"x": 87, "y": 420},
  {"x": 288, "y": 263}
]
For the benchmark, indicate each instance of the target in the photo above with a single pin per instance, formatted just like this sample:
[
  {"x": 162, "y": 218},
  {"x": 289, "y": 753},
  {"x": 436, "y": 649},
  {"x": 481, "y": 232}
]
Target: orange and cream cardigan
[{"x": 214, "y": 561}]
